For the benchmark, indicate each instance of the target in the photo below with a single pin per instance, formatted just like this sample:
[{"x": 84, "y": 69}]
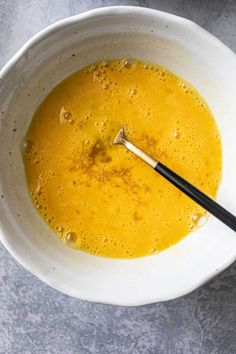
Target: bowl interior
[{"x": 175, "y": 43}]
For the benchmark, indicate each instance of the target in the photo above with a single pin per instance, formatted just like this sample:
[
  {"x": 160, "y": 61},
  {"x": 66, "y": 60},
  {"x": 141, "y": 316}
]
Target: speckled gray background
[{"x": 37, "y": 319}]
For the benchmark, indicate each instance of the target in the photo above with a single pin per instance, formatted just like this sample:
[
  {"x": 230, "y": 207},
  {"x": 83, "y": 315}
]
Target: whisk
[{"x": 190, "y": 190}]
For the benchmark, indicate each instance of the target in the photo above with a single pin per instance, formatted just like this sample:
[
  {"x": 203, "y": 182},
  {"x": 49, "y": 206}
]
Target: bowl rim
[{"x": 39, "y": 37}]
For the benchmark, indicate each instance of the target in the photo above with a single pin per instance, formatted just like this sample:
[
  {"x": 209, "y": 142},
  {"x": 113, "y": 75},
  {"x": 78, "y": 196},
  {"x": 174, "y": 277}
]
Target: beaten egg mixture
[{"x": 100, "y": 198}]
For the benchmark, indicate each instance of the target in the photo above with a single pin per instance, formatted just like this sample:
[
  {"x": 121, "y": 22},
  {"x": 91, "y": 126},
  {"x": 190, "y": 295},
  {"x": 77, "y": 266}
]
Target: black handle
[{"x": 198, "y": 196}]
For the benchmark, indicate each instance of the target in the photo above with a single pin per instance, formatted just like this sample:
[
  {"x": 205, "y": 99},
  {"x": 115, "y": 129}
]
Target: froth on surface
[{"x": 99, "y": 198}]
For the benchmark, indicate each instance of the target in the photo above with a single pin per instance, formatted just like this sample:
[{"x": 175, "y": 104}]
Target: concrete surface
[{"x": 37, "y": 319}]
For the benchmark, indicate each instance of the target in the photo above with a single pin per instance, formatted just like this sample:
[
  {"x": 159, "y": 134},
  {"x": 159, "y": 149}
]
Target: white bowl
[{"x": 49, "y": 57}]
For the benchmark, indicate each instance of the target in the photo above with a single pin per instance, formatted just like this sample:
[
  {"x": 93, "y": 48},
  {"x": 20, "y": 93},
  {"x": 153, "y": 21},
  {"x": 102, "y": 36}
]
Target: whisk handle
[{"x": 195, "y": 194}]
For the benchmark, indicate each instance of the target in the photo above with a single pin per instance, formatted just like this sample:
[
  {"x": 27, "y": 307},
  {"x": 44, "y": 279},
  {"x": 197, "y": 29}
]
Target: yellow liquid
[{"x": 100, "y": 198}]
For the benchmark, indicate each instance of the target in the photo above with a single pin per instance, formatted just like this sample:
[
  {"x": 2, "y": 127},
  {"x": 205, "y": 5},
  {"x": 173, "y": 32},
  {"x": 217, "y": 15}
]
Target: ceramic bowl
[{"x": 52, "y": 55}]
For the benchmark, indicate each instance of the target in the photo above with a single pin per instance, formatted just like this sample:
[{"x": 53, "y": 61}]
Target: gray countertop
[{"x": 37, "y": 319}]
